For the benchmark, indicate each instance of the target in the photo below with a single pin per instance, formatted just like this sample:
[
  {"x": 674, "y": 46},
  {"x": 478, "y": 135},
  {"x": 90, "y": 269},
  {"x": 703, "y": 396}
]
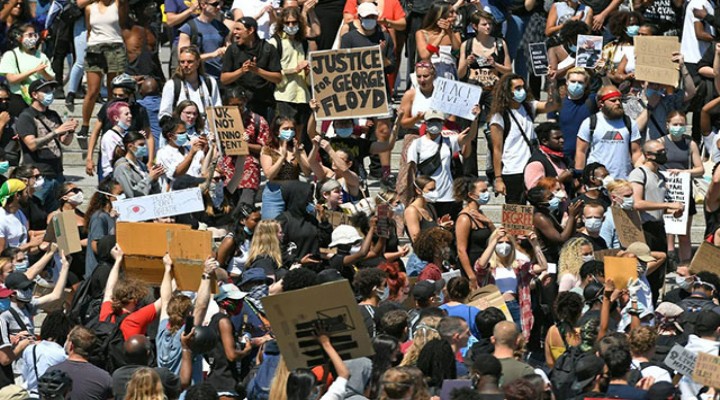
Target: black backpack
[
  {"x": 506, "y": 116},
  {"x": 177, "y": 86},
  {"x": 108, "y": 352},
  {"x": 84, "y": 307},
  {"x": 562, "y": 376},
  {"x": 593, "y": 125}
]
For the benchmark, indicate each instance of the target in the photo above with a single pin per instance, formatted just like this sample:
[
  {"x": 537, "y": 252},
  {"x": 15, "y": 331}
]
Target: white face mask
[
  {"x": 607, "y": 180},
  {"x": 76, "y": 199},
  {"x": 628, "y": 203},
  {"x": 431, "y": 196},
  {"x": 503, "y": 249},
  {"x": 588, "y": 257},
  {"x": 355, "y": 249},
  {"x": 593, "y": 225},
  {"x": 683, "y": 282}
]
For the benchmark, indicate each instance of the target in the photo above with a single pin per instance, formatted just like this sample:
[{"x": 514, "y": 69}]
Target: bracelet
[
  {"x": 498, "y": 177},
  {"x": 432, "y": 49},
  {"x": 205, "y": 276}
]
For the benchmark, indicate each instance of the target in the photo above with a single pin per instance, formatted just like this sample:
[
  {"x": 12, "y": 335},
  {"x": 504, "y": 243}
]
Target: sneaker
[
  {"x": 82, "y": 137},
  {"x": 70, "y": 101}
]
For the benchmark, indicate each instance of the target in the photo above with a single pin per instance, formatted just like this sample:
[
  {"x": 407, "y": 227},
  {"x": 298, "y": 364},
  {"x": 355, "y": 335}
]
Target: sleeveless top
[
  {"x": 425, "y": 224},
  {"x": 478, "y": 240},
  {"x": 678, "y": 153},
  {"x": 223, "y": 374},
  {"x": 551, "y": 250},
  {"x": 421, "y": 103},
  {"x": 565, "y": 12},
  {"x": 290, "y": 171},
  {"x": 104, "y": 26}
]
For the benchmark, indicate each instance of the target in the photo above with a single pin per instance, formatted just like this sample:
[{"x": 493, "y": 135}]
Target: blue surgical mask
[
  {"x": 23, "y": 266},
  {"x": 291, "y": 30},
  {"x": 344, "y": 132},
  {"x": 576, "y": 89},
  {"x": 247, "y": 231},
  {"x": 4, "y": 167},
  {"x": 310, "y": 208},
  {"x": 399, "y": 209},
  {"x": 572, "y": 48},
  {"x": 47, "y": 99},
  {"x": 683, "y": 282},
  {"x": 123, "y": 125},
  {"x": 368, "y": 23},
  {"x": 554, "y": 203},
  {"x": 181, "y": 140},
  {"x": 649, "y": 92},
  {"x": 677, "y": 131},
  {"x": 141, "y": 151},
  {"x": 519, "y": 95},
  {"x": 483, "y": 198},
  {"x": 632, "y": 30},
  {"x": 383, "y": 294},
  {"x": 4, "y": 304},
  {"x": 286, "y": 135}
]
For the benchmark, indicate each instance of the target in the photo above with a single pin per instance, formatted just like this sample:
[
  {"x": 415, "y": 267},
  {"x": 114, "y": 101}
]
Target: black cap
[
  {"x": 329, "y": 275},
  {"x": 487, "y": 364},
  {"x": 586, "y": 369},
  {"x": 661, "y": 391},
  {"x": 249, "y": 22},
  {"x": 18, "y": 281},
  {"x": 707, "y": 321},
  {"x": 593, "y": 292},
  {"x": 39, "y": 84},
  {"x": 424, "y": 290}
]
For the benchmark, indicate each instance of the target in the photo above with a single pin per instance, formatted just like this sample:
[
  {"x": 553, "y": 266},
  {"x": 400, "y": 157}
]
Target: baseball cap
[
  {"x": 668, "y": 309},
  {"x": 707, "y": 321},
  {"x": 434, "y": 114},
  {"x": 229, "y": 291},
  {"x": 249, "y": 22},
  {"x": 5, "y": 292},
  {"x": 367, "y": 9},
  {"x": 344, "y": 234},
  {"x": 39, "y": 84},
  {"x": 586, "y": 369},
  {"x": 641, "y": 251},
  {"x": 18, "y": 281},
  {"x": 426, "y": 289},
  {"x": 487, "y": 364}
]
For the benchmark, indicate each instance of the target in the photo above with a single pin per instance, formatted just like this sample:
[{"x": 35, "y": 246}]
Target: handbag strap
[
  {"x": 437, "y": 153},
  {"x": 20, "y": 322},
  {"x": 35, "y": 363},
  {"x": 522, "y": 131}
]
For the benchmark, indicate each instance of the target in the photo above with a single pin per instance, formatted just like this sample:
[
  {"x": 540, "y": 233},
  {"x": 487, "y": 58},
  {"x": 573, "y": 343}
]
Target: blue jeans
[
  {"x": 272, "y": 201},
  {"x": 514, "y": 308},
  {"x": 47, "y": 193},
  {"x": 80, "y": 41},
  {"x": 514, "y": 29}
]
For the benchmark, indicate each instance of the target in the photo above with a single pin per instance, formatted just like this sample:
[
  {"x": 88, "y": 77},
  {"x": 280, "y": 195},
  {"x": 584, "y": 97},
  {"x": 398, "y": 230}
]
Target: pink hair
[{"x": 113, "y": 110}]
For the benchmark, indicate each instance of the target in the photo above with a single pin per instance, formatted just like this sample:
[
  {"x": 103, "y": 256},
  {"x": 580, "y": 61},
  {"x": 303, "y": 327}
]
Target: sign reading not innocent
[{"x": 227, "y": 123}]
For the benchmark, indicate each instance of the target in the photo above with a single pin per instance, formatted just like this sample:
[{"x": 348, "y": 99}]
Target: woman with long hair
[
  {"x": 131, "y": 173},
  {"x": 387, "y": 354},
  {"x": 100, "y": 219},
  {"x": 235, "y": 246},
  {"x": 472, "y": 228},
  {"x": 282, "y": 159},
  {"x": 437, "y": 40},
  {"x": 145, "y": 384},
  {"x": 564, "y": 334},
  {"x": 620, "y": 53},
  {"x": 420, "y": 214},
  {"x": 397, "y": 281},
  {"x": 574, "y": 253},
  {"x": 425, "y": 331},
  {"x": 111, "y": 144},
  {"x": 25, "y": 62},
  {"x": 190, "y": 82},
  {"x": 458, "y": 290},
  {"x": 265, "y": 250}
]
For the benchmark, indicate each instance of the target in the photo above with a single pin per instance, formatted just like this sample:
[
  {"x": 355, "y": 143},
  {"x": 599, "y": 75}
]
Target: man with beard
[
  {"x": 609, "y": 136},
  {"x": 548, "y": 159}
]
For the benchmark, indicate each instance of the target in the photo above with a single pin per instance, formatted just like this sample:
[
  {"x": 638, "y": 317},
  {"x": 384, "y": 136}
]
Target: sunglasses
[
  {"x": 218, "y": 178},
  {"x": 215, "y": 4},
  {"x": 73, "y": 191}
]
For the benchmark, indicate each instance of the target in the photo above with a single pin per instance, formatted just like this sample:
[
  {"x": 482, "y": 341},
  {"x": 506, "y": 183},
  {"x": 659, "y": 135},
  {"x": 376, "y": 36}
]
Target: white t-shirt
[
  {"x": 110, "y": 140},
  {"x": 170, "y": 157},
  {"x": 660, "y": 374},
  {"x": 200, "y": 96},
  {"x": 610, "y": 144},
  {"x": 690, "y": 47},
  {"x": 711, "y": 144},
  {"x": 251, "y": 8},
  {"x": 516, "y": 151},
  {"x": 13, "y": 228},
  {"x": 428, "y": 148}
]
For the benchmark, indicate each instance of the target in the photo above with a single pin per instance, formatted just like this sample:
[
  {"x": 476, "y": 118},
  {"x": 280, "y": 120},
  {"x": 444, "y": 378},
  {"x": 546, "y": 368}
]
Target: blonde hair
[
  {"x": 495, "y": 258},
  {"x": 618, "y": 184},
  {"x": 265, "y": 242},
  {"x": 426, "y": 331},
  {"x": 578, "y": 71},
  {"x": 144, "y": 385},
  {"x": 278, "y": 385},
  {"x": 570, "y": 259}
]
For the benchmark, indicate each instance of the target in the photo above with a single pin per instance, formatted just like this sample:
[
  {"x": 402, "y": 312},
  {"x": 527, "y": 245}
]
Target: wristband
[
  {"x": 205, "y": 276},
  {"x": 432, "y": 49}
]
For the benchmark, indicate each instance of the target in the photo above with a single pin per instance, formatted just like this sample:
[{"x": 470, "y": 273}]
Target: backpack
[
  {"x": 593, "y": 125},
  {"x": 691, "y": 312},
  {"x": 490, "y": 171},
  {"x": 177, "y": 86},
  {"x": 84, "y": 308},
  {"x": 195, "y": 36},
  {"x": 108, "y": 351},
  {"x": 562, "y": 376}
]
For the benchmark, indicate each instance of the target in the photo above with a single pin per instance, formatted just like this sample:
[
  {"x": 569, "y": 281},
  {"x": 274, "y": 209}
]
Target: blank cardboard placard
[
  {"x": 707, "y": 370},
  {"x": 227, "y": 124},
  {"x": 517, "y": 219},
  {"x": 188, "y": 250},
  {"x": 601, "y": 254},
  {"x": 707, "y": 258},
  {"x": 620, "y": 270},
  {"x": 294, "y": 315},
  {"x": 628, "y": 226},
  {"x": 490, "y": 296},
  {"x": 64, "y": 231},
  {"x": 653, "y": 59},
  {"x": 144, "y": 245}
]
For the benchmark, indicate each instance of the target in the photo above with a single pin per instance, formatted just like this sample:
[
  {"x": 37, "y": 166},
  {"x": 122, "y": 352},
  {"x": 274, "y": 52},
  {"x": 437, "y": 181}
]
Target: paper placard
[
  {"x": 678, "y": 190},
  {"x": 653, "y": 61},
  {"x": 336, "y": 218},
  {"x": 628, "y": 226},
  {"x": 681, "y": 360},
  {"x": 227, "y": 124},
  {"x": 451, "y": 274},
  {"x": 539, "y": 57},
  {"x": 148, "y": 208},
  {"x": 601, "y": 254},
  {"x": 517, "y": 220},
  {"x": 455, "y": 98},
  {"x": 63, "y": 230},
  {"x": 589, "y": 51},
  {"x": 707, "y": 370},
  {"x": 489, "y": 296},
  {"x": 620, "y": 270},
  {"x": 293, "y": 316},
  {"x": 349, "y": 83},
  {"x": 706, "y": 259},
  {"x": 552, "y": 268}
]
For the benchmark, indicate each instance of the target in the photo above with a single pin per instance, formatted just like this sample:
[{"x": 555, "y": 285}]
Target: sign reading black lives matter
[
  {"x": 227, "y": 124},
  {"x": 349, "y": 83}
]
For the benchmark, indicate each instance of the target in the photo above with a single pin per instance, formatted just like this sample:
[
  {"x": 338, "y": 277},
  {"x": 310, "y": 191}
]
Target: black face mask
[
  {"x": 4, "y": 106},
  {"x": 660, "y": 158}
]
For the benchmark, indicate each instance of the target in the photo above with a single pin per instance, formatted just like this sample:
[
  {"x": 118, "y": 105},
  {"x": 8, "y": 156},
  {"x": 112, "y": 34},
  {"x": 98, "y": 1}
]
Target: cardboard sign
[
  {"x": 63, "y": 230},
  {"x": 707, "y": 370},
  {"x": 145, "y": 244},
  {"x": 455, "y": 98},
  {"x": 653, "y": 59},
  {"x": 628, "y": 226},
  {"x": 681, "y": 360},
  {"x": 336, "y": 218},
  {"x": 227, "y": 124},
  {"x": 148, "y": 208},
  {"x": 349, "y": 83},
  {"x": 621, "y": 270},
  {"x": 539, "y": 58},
  {"x": 589, "y": 51},
  {"x": 601, "y": 254},
  {"x": 517, "y": 219},
  {"x": 678, "y": 189},
  {"x": 294, "y": 315},
  {"x": 706, "y": 259},
  {"x": 489, "y": 296}
]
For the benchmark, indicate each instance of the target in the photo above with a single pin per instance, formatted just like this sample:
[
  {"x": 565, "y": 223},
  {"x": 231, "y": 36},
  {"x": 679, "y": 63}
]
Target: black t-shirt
[
  {"x": 49, "y": 165},
  {"x": 598, "y": 243},
  {"x": 140, "y": 118},
  {"x": 266, "y": 263},
  {"x": 36, "y": 215},
  {"x": 267, "y": 58},
  {"x": 354, "y": 39}
]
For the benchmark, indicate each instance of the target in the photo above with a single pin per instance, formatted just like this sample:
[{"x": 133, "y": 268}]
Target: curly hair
[
  {"x": 571, "y": 29},
  {"x": 437, "y": 362},
  {"x": 366, "y": 280},
  {"x": 430, "y": 242},
  {"x": 126, "y": 291},
  {"x": 642, "y": 340},
  {"x": 396, "y": 279},
  {"x": 568, "y": 307},
  {"x": 425, "y": 331},
  {"x": 620, "y": 21},
  {"x": 299, "y": 278},
  {"x": 589, "y": 172},
  {"x": 502, "y": 94},
  {"x": 178, "y": 308},
  {"x": 543, "y": 130},
  {"x": 570, "y": 259}
]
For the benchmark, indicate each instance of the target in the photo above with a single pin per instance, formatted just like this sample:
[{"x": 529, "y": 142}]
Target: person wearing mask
[
  {"x": 71, "y": 198},
  {"x": 233, "y": 250},
  {"x": 576, "y": 107},
  {"x": 100, "y": 219},
  {"x": 702, "y": 296},
  {"x": 111, "y": 143},
  {"x": 642, "y": 347},
  {"x": 512, "y": 132},
  {"x": 437, "y": 40},
  {"x": 561, "y": 57},
  {"x": 621, "y": 148},
  {"x": 548, "y": 159},
  {"x": 506, "y": 339},
  {"x": 594, "y": 179},
  {"x": 589, "y": 377},
  {"x": 254, "y": 65},
  {"x": 341, "y": 171},
  {"x": 131, "y": 173},
  {"x": 472, "y": 228},
  {"x": 25, "y": 63},
  {"x": 209, "y": 36},
  {"x": 593, "y": 215},
  {"x": 563, "y": 334},
  {"x": 351, "y": 248},
  {"x": 574, "y": 253},
  {"x": 620, "y": 53},
  {"x": 8, "y": 143},
  {"x": 551, "y": 234},
  {"x": 621, "y": 194},
  {"x": 370, "y": 286},
  {"x": 14, "y": 227},
  {"x": 41, "y": 132},
  {"x": 175, "y": 158}
]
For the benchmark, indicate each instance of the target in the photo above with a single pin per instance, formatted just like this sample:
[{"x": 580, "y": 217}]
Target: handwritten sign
[
  {"x": 455, "y": 98},
  {"x": 707, "y": 370},
  {"x": 489, "y": 296},
  {"x": 63, "y": 230},
  {"x": 628, "y": 226},
  {"x": 539, "y": 57},
  {"x": 653, "y": 59},
  {"x": 517, "y": 219},
  {"x": 678, "y": 190},
  {"x": 706, "y": 259},
  {"x": 349, "y": 83},
  {"x": 227, "y": 123},
  {"x": 147, "y": 208},
  {"x": 621, "y": 270},
  {"x": 589, "y": 51},
  {"x": 681, "y": 360},
  {"x": 601, "y": 254}
]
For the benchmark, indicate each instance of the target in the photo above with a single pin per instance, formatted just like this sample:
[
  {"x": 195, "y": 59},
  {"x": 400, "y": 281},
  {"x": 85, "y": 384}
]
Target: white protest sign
[
  {"x": 678, "y": 190},
  {"x": 451, "y": 274},
  {"x": 681, "y": 360},
  {"x": 146, "y": 208},
  {"x": 456, "y": 98}
]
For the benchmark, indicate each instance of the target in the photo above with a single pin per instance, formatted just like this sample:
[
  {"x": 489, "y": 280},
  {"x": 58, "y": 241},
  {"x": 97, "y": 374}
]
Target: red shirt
[
  {"x": 134, "y": 324},
  {"x": 430, "y": 272}
]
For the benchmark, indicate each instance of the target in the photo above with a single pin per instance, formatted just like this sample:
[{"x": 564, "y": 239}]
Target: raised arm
[
  {"x": 40, "y": 265},
  {"x": 166, "y": 286},
  {"x": 204, "y": 291},
  {"x": 114, "y": 275}
]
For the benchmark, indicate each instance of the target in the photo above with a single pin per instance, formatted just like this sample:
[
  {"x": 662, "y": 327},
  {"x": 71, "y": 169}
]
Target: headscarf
[{"x": 9, "y": 188}]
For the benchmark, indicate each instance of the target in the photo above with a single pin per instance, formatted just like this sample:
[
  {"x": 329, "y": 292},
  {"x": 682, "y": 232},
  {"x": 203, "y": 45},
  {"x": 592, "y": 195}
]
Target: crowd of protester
[{"x": 303, "y": 207}]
